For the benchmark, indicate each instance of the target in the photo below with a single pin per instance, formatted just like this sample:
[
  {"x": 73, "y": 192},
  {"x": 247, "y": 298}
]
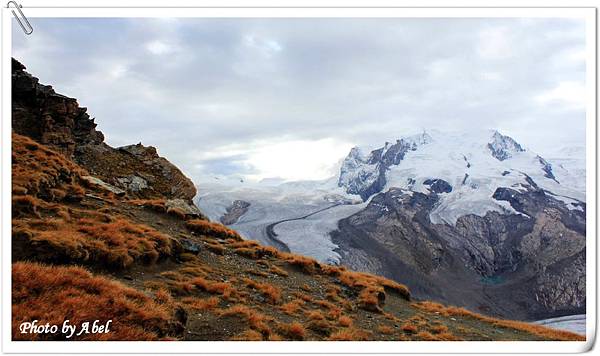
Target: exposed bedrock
[
  {"x": 526, "y": 266},
  {"x": 60, "y": 123}
]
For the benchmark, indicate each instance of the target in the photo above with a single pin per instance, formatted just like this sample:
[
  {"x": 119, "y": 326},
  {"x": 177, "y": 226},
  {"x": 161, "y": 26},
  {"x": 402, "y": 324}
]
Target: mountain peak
[{"x": 503, "y": 147}]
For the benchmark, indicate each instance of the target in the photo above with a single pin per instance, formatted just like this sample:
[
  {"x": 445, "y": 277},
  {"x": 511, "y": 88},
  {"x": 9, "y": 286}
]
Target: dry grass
[
  {"x": 158, "y": 205},
  {"x": 372, "y": 289},
  {"x": 269, "y": 291},
  {"x": 302, "y": 296},
  {"x": 315, "y": 315},
  {"x": 291, "y": 308},
  {"x": 332, "y": 293},
  {"x": 25, "y": 205},
  {"x": 257, "y": 273},
  {"x": 248, "y": 335},
  {"x": 225, "y": 289},
  {"x": 425, "y": 336},
  {"x": 391, "y": 317},
  {"x": 102, "y": 240},
  {"x": 252, "y": 249},
  {"x": 350, "y": 334},
  {"x": 163, "y": 296},
  {"x": 394, "y": 287},
  {"x": 256, "y": 320},
  {"x": 251, "y": 253},
  {"x": 252, "y": 244},
  {"x": 195, "y": 269},
  {"x": 371, "y": 298},
  {"x": 333, "y": 311},
  {"x": 53, "y": 294},
  {"x": 204, "y": 227},
  {"x": 538, "y": 330},
  {"x": 215, "y": 248},
  {"x": 365, "y": 280},
  {"x": 177, "y": 212},
  {"x": 36, "y": 170},
  {"x": 438, "y": 329},
  {"x": 344, "y": 321},
  {"x": 278, "y": 271},
  {"x": 320, "y": 326},
  {"x": 409, "y": 328},
  {"x": 305, "y": 264},
  {"x": 386, "y": 330},
  {"x": 201, "y": 303},
  {"x": 293, "y": 331}
]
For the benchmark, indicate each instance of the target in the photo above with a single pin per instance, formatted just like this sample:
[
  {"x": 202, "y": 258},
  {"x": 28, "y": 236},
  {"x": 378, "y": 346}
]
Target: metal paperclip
[{"x": 22, "y": 20}]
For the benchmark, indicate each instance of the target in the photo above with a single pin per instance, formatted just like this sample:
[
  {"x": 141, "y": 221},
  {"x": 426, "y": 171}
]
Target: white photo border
[{"x": 216, "y": 347}]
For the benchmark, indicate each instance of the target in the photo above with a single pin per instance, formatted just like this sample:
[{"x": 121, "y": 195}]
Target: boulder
[
  {"x": 93, "y": 181},
  {"x": 188, "y": 209},
  {"x": 133, "y": 183}
]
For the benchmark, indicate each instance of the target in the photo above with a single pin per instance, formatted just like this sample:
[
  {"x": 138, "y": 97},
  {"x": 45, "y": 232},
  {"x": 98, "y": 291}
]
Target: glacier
[{"x": 473, "y": 164}]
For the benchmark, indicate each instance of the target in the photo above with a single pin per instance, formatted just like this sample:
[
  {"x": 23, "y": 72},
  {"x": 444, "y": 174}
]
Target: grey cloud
[{"x": 364, "y": 81}]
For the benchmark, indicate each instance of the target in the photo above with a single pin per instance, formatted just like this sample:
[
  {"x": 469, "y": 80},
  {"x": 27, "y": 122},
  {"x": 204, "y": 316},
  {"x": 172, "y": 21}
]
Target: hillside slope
[{"x": 87, "y": 245}]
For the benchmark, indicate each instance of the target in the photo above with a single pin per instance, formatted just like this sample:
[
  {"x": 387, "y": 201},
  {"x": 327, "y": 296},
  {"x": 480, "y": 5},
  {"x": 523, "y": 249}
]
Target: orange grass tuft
[
  {"x": 248, "y": 335},
  {"x": 386, "y": 330},
  {"x": 538, "y": 330},
  {"x": 54, "y": 294},
  {"x": 349, "y": 334},
  {"x": 294, "y": 330},
  {"x": 153, "y": 204},
  {"x": 344, "y": 321},
  {"x": 103, "y": 240},
  {"x": 305, "y": 264},
  {"x": 226, "y": 289},
  {"x": 256, "y": 320},
  {"x": 278, "y": 271},
  {"x": 201, "y": 303},
  {"x": 204, "y": 227},
  {"x": 292, "y": 307},
  {"x": 271, "y": 292},
  {"x": 37, "y": 169}
]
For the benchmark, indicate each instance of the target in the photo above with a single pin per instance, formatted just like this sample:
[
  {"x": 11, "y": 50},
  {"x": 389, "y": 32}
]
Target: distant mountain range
[{"x": 470, "y": 218}]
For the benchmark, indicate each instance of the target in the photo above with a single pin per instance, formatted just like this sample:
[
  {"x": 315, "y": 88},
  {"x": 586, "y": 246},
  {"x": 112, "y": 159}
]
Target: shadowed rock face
[
  {"x": 503, "y": 147},
  {"x": 234, "y": 212},
  {"x": 526, "y": 266},
  {"x": 365, "y": 176},
  {"x": 440, "y": 185},
  {"x": 57, "y": 121},
  {"x": 48, "y": 117}
]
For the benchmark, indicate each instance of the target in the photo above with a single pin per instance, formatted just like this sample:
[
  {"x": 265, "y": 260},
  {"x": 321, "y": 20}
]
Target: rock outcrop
[
  {"x": 529, "y": 265},
  {"x": 365, "y": 175},
  {"x": 503, "y": 147},
  {"x": 234, "y": 212},
  {"x": 50, "y": 118},
  {"x": 58, "y": 122}
]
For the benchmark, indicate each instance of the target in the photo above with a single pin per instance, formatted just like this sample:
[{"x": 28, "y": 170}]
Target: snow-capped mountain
[
  {"x": 475, "y": 219},
  {"x": 470, "y": 167}
]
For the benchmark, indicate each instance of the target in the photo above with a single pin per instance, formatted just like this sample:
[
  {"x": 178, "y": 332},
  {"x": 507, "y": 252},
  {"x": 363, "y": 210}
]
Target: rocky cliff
[{"x": 58, "y": 122}]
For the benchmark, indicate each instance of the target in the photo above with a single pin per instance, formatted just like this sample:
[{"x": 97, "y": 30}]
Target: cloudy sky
[{"x": 288, "y": 98}]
